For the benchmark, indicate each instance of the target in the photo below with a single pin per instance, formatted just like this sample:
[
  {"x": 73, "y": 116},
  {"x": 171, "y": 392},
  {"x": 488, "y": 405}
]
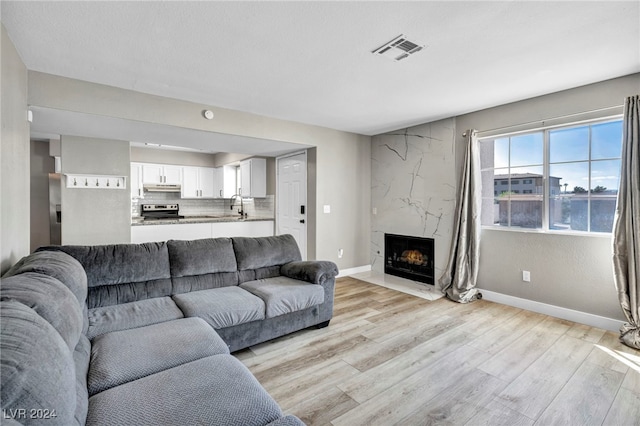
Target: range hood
[{"x": 161, "y": 187}]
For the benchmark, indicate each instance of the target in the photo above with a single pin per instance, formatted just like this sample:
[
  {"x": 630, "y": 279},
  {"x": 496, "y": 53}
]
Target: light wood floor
[{"x": 390, "y": 358}]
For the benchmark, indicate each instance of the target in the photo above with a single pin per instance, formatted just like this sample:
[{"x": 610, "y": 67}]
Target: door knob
[{"x": 301, "y": 220}]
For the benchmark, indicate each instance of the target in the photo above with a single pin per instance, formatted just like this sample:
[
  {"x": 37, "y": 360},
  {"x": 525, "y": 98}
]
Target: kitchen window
[{"x": 556, "y": 179}]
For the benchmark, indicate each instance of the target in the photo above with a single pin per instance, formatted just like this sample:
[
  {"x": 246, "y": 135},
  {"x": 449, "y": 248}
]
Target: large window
[{"x": 556, "y": 179}]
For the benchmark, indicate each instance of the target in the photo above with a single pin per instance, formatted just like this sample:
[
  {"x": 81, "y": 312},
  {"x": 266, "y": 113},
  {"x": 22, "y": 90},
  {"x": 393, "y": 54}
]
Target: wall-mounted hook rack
[{"x": 96, "y": 181}]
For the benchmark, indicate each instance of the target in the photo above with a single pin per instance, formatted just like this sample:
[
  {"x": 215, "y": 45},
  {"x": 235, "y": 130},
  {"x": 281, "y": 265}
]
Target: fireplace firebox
[{"x": 409, "y": 257}]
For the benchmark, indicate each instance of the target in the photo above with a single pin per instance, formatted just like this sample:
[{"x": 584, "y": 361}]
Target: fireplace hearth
[{"x": 409, "y": 257}]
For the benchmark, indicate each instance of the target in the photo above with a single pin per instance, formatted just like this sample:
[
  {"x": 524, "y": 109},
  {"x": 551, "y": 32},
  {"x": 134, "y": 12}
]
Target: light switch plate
[{"x": 327, "y": 208}]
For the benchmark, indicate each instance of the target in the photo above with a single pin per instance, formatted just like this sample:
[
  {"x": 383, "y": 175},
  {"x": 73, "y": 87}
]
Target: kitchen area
[
  {"x": 170, "y": 201},
  {"x": 84, "y": 192},
  {"x": 98, "y": 126}
]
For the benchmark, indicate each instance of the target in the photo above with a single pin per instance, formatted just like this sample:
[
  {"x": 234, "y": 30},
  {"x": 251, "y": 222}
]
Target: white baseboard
[
  {"x": 554, "y": 311},
  {"x": 530, "y": 305},
  {"x": 356, "y": 270}
]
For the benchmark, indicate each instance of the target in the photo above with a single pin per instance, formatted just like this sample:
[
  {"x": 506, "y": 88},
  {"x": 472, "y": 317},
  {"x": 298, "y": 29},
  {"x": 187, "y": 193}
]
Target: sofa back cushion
[
  {"x": 264, "y": 255},
  {"x": 38, "y": 371},
  {"x": 58, "y": 265},
  {"x": 202, "y": 264},
  {"x": 122, "y": 273},
  {"x": 50, "y": 299}
]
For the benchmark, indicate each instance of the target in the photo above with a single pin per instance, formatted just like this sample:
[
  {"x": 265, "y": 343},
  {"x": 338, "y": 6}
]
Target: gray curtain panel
[
  {"x": 458, "y": 281},
  {"x": 626, "y": 226}
]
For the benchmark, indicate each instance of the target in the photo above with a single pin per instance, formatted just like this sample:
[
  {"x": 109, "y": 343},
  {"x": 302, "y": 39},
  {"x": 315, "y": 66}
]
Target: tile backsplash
[{"x": 254, "y": 207}]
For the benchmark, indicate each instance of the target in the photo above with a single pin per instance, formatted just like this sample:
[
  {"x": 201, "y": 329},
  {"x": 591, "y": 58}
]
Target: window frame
[{"x": 546, "y": 166}]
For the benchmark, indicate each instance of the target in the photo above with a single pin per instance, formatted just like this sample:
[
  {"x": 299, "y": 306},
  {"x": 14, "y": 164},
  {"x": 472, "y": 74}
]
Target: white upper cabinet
[
  {"x": 152, "y": 173},
  {"x": 224, "y": 182},
  {"x": 198, "y": 182},
  {"x": 160, "y": 173},
  {"x": 136, "y": 180},
  {"x": 207, "y": 186},
  {"x": 190, "y": 188},
  {"x": 253, "y": 178},
  {"x": 173, "y": 174}
]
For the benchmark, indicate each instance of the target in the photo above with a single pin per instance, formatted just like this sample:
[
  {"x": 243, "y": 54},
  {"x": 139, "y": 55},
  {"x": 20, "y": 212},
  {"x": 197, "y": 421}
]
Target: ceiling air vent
[{"x": 398, "y": 49}]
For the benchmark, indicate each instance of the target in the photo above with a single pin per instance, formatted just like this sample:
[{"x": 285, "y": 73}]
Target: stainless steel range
[{"x": 160, "y": 211}]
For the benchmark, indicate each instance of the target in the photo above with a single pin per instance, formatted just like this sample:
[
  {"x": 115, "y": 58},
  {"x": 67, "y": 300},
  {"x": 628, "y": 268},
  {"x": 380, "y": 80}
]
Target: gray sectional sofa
[{"x": 142, "y": 333}]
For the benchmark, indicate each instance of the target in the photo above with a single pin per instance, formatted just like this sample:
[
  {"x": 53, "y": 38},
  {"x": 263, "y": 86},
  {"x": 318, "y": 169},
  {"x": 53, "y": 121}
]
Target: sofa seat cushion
[
  {"x": 282, "y": 295},
  {"x": 124, "y": 356},
  {"x": 221, "y": 307},
  {"x": 217, "y": 390},
  {"x": 131, "y": 315}
]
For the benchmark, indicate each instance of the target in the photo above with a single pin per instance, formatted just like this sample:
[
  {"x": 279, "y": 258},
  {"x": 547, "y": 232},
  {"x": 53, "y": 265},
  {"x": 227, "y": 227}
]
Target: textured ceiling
[{"x": 311, "y": 62}]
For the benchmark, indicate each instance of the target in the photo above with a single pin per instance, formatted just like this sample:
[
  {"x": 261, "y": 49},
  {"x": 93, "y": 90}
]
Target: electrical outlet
[
  {"x": 526, "y": 276},
  {"x": 375, "y": 210}
]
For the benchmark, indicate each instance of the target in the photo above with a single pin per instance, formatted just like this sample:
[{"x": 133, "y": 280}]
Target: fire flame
[{"x": 413, "y": 257}]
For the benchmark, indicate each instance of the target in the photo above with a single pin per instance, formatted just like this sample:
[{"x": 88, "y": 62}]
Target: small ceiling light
[
  {"x": 399, "y": 48},
  {"x": 208, "y": 114}
]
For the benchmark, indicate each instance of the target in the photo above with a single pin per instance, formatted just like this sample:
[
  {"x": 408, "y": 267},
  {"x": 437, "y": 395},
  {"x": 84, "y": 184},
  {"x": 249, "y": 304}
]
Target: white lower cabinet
[
  {"x": 187, "y": 231},
  {"x": 195, "y": 231},
  {"x": 242, "y": 229}
]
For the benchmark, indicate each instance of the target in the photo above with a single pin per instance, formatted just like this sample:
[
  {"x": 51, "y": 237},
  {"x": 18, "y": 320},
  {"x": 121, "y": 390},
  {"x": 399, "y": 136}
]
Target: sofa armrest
[{"x": 312, "y": 271}]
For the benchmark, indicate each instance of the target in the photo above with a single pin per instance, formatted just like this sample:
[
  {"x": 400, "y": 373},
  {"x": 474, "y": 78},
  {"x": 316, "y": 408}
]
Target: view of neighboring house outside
[
  {"x": 582, "y": 163},
  {"x": 567, "y": 208},
  {"x": 526, "y": 197}
]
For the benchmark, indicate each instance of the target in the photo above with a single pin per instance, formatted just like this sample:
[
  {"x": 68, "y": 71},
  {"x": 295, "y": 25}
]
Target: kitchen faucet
[{"x": 233, "y": 200}]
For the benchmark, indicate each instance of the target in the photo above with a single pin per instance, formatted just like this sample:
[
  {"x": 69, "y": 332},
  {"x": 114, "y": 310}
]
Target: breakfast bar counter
[
  {"x": 139, "y": 221},
  {"x": 197, "y": 227}
]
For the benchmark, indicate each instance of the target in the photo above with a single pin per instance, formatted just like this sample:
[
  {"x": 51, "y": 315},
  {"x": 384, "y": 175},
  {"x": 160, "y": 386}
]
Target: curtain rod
[{"x": 542, "y": 122}]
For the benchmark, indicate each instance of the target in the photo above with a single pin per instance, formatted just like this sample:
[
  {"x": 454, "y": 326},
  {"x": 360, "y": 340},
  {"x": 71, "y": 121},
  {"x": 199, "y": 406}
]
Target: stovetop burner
[
  {"x": 160, "y": 211},
  {"x": 160, "y": 217}
]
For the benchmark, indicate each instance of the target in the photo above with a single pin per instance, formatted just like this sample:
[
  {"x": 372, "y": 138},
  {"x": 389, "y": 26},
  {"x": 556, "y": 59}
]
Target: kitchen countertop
[{"x": 139, "y": 221}]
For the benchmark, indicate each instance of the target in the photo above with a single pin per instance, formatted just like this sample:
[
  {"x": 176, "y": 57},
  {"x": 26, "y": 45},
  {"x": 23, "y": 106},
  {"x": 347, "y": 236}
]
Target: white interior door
[{"x": 291, "y": 202}]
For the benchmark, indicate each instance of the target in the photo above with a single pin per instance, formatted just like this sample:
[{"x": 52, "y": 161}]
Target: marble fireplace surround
[{"x": 413, "y": 192}]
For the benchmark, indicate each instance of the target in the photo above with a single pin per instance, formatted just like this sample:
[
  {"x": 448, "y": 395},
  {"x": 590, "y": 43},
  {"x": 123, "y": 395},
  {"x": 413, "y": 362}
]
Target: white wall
[
  {"x": 569, "y": 271},
  {"x": 342, "y": 167},
  {"x": 14, "y": 157},
  {"x": 164, "y": 156},
  {"x": 95, "y": 216}
]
